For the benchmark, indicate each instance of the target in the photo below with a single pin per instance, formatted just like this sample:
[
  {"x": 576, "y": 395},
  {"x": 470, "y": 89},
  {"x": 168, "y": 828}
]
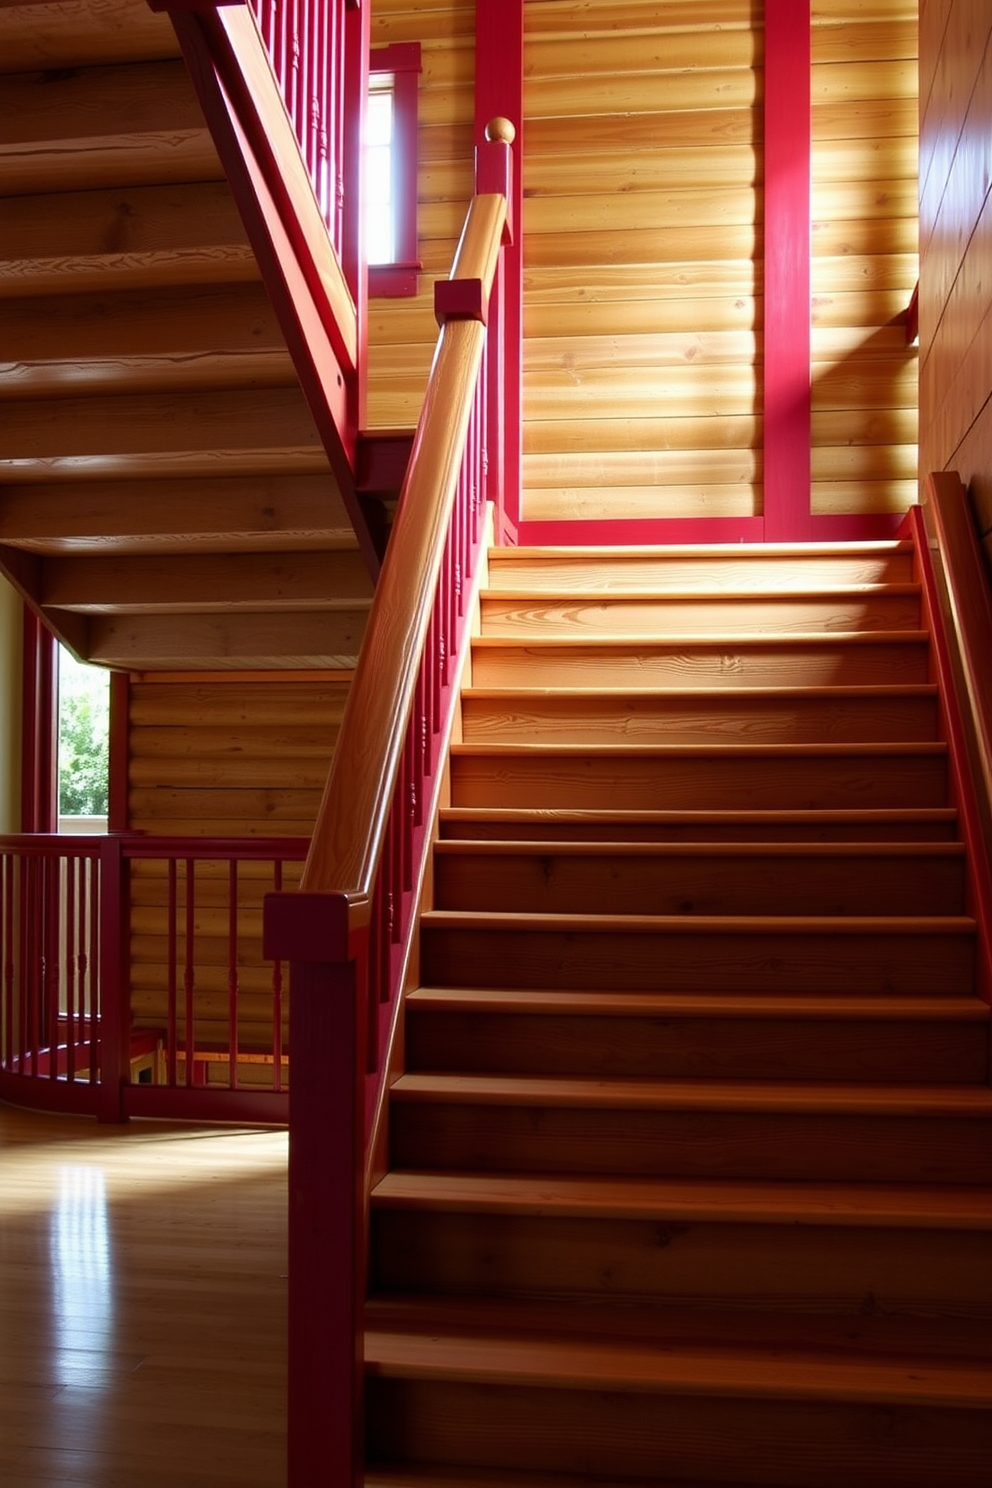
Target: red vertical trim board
[
  {"x": 499, "y": 93},
  {"x": 119, "y": 752},
  {"x": 39, "y": 728},
  {"x": 787, "y": 417}
]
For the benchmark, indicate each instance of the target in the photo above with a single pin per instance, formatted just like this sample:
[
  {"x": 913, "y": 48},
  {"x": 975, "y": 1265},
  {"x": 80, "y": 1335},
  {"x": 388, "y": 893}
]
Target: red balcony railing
[{"x": 132, "y": 980}]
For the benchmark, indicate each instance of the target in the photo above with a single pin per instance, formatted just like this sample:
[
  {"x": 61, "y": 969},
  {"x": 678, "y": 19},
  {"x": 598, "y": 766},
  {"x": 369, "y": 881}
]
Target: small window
[
  {"x": 83, "y": 745},
  {"x": 391, "y": 169}
]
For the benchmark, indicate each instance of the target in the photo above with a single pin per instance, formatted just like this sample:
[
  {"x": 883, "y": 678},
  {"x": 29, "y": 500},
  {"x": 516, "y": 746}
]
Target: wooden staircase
[
  {"x": 165, "y": 499},
  {"x": 690, "y": 1163}
]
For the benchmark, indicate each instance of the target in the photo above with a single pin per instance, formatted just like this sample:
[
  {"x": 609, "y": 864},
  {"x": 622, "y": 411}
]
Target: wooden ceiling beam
[
  {"x": 77, "y": 33},
  {"x": 241, "y": 641},
  {"x": 102, "y": 126},
  {"x": 124, "y": 238},
  {"x": 206, "y": 583},
  {"x": 184, "y": 337},
  {"x": 277, "y": 513}
]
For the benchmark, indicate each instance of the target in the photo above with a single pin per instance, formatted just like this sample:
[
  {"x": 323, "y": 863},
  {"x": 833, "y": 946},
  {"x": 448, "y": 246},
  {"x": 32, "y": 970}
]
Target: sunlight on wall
[{"x": 10, "y": 709}]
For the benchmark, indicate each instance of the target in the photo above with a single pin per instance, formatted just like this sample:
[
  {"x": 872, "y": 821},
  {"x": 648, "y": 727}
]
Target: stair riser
[
  {"x": 465, "y": 1136},
  {"x": 747, "y": 718},
  {"x": 721, "y": 884},
  {"x": 618, "y": 1434},
  {"x": 733, "y": 665},
  {"x": 558, "y": 572},
  {"x": 780, "y": 1267},
  {"x": 689, "y": 1048},
  {"x": 696, "y": 962},
  {"x": 612, "y": 615},
  {"x": 701, "y": 783}
]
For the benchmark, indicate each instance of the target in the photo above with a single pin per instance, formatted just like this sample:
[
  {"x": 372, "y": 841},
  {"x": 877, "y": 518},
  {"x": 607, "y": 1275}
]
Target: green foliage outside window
[{"x": 84, "y": 737}]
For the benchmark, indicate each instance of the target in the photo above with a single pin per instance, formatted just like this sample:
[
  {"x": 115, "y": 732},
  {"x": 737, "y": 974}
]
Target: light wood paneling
[
  {"x": 235, "y": 758},
  {"x": 956, "y": 241},
  {"x": 864, "y": 205},
  {"x": 446, "y": 33}
]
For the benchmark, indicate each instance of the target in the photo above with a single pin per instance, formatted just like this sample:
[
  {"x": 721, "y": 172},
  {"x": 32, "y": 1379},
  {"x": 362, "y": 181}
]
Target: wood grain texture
[{"x": 118, "y": 1248}]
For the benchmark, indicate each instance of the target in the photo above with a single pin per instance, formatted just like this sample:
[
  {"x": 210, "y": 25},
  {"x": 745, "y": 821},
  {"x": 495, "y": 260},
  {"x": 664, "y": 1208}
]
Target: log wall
[
  {"x": 956, "y": 246},
  {"x": 222, "y": 756},
  {"x": 403, "y": 332},
  {"x": 642, "y": 210},
  {"x": 864, "y": 263},
  {"x": 643, "y": 251}
]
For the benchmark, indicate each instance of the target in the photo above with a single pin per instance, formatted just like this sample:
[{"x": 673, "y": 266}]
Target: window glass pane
[
  {"x": 380, "y": 234},
  {"x": 84, "y": 740}
]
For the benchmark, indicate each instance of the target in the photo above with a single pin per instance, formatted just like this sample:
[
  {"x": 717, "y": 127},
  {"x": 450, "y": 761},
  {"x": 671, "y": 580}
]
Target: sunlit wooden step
[
  {"x": 702, "y": 777},
  {"x": 779, "y": 715},
  {"x": 915, "y": 956},
  {"x": 799, "y": 1246},
  {"x": 675, "y": 878},
  {"x": 694, "y": 1128},
  {"x": 710, "y": 1036},
  {"x": 532, "y": 616},
  {"x": 508, "y": 1392},
  {"x": 933, "y": 824},
  {"x": 733, "y": 661},
  {"x": 756, "y": 566}
]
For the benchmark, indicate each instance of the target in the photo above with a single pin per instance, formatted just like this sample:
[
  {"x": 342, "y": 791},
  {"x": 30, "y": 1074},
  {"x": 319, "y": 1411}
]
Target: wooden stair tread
[
  {"x": 505, "y": 695},
  {"x": 639, "y": 592},
  {"x": 794, "y": 639},
  {"x": 715, "y": 1005},
  {"x": 697, "y": 1095},
  {"x": 606, "y": 1364},
  {"x": 490, "y": 847},
  {"x": 698, "y": 1200},
  {"x": 753, "y": 924},
  {"x": 927, "y": 748},
  {"x": 434, "y": 1476},
  {"x": 872, "y": 819}
]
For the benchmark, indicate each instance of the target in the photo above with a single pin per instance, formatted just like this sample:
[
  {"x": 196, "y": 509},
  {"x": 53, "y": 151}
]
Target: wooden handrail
[
  {"x": 951, "y": 529},
  {"x": 351, "y": 823}
]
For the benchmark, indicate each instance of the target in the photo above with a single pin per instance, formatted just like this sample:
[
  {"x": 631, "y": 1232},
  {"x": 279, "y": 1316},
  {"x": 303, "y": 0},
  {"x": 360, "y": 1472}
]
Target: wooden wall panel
[
  {"x": 641, "y": 221},
  {"x": 956, "y": 247},
  {"x": 227, "y": 756},
  {"x": 864, "y": 245},
  {"x": 221, "y": 756},
  {"x": 403, "y": 332}
]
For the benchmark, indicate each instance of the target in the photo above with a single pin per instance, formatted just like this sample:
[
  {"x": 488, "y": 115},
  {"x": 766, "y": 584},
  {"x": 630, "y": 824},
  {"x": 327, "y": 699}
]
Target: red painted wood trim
[
  {"x": 119, "y": 760},
  {"x": 499, "y": 93},
  {"x": 649, "y": 531},
  {"x": 115, "y": 980},
  {"x": 787, "y": 418},
  {"x": 39, "y": 727},
  {"x": 459, "y": 299}
]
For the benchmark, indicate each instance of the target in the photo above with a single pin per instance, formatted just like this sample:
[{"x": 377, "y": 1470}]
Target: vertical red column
[
  {"x": 499, "y": 93},
  {"x": 787, "y": 417},
  {"x": 39, "y": 736}
]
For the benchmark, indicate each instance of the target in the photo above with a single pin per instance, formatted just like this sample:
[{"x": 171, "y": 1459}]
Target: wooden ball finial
[{"x": 500, "y": 130}]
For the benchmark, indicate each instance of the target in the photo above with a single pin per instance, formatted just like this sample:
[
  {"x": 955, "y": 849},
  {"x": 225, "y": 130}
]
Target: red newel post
[
  {"x": 328, "y": 989},
  {"x": 114, "y": 980}
]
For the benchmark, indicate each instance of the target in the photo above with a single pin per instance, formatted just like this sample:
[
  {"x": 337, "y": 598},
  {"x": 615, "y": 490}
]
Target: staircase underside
[{"x": 165, "y": 499}]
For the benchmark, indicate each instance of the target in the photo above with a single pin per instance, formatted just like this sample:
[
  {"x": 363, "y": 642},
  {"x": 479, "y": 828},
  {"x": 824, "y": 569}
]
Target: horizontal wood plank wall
[
  {"x": 222, "y": 755},
  {"x": 642, "y": 207},
  {"x": 956, "y": 247},
  {"x": 403, "y": 332},
  {"x": 864, "y": 267}
]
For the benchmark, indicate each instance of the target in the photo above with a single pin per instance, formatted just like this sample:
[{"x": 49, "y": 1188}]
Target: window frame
[{"x": 403, "y": 61}]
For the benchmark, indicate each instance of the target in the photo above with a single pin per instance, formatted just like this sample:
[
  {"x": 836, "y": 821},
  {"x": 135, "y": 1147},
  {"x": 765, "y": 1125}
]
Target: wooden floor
[{"x": 142, "y": 1304}]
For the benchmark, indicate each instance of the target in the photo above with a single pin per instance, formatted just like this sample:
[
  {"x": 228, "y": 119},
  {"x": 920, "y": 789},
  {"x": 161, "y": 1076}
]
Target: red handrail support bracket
[{"x": 460, "y": 299}]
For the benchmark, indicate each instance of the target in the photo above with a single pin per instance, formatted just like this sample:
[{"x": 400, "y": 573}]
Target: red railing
[
  {"x": 958, "y": 602},
  {"x": 349, "y": 931},
  {"x": 132, "y": 980},
  {"x": 282, "y": 85}
]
